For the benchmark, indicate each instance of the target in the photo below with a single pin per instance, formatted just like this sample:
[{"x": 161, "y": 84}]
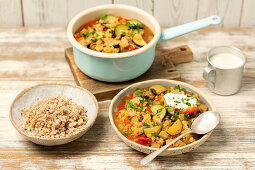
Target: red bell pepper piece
[
  {"x": 130, "y": 137},
  {"x": 191, "y": 110},
  {"x": 143, "y": 140},
  {"x": 148, "y": 109},
  {"x": 127, "y": 120},
  {"x": 131, "y": 47}
]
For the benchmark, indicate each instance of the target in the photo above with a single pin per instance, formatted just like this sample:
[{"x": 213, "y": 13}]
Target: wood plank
[
  {"x": 172, "y": 13},
  {"x": 229, "y": 10},
  {"x": 10, "y": 13},
  {"x": 76, "y": 6},
  {"x": 248, "y": 17},
  {"x": 146, "y": 5},
  {"x": 45, "y": 12}
]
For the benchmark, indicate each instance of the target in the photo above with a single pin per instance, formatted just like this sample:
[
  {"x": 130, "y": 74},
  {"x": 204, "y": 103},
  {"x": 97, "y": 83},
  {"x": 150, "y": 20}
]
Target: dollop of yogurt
[{"x": 179, "y": 101}]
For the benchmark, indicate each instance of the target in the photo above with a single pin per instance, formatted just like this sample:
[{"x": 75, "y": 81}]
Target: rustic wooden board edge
[{"x": 68, "y": 50}]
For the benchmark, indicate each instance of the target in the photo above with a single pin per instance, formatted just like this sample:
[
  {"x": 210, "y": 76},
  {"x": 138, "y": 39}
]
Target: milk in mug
[{"x": 226, "y": 60}]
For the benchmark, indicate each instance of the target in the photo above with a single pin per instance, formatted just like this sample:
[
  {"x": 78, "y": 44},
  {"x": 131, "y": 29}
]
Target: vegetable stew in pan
[{"x": 113, "y": 34}]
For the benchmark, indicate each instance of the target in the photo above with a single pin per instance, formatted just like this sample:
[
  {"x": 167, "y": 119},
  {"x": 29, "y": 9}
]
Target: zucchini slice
[
  {"x": 136, "y": 100},
  {"x": 138, "y": 40},
  {"x": 111, "y": 19},
  {"x": 157, "y": 89},
  {"x": 121, "y": 28},
  {"x": 153, "y": 131},
  {"x": 176, "y": 128},
  {"x": 170, "y": 111},
  {"x": 158, "y": 110},
  {"x": 159, "y": 113},
  {"x": 163, "y": 134}
]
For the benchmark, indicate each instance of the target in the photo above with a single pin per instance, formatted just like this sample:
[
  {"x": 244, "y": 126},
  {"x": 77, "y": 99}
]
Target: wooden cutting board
[{"x": 162, "y": 68}]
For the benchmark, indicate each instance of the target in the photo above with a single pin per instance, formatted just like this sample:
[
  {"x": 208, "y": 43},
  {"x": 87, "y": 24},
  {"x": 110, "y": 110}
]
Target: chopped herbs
[
  {"x": 152, "y": 123},
  {"x": 94, "y": 39},
  {"x": 154, "y": 134},
  {"x": 159, "y": 110},
  {"x": 124, "y": 99},
  {"x": 103, "y": 16},
  {"x": 87, "y": 34},
  {"x": 145, "y": 124},
  {"x": 125, "y": 134},
  {"x": 137, "y": 89},
  {"x": 187, "y": 103},
  {"x": 81, "y": 34},
  {"x": 139, "y": 93},
  {"x": 176, "y": 115},
  {"x": 149, "y": 101},
  {"x": 179, "y": 88}
]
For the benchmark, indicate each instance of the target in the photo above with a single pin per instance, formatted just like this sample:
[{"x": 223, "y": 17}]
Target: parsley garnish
[
  {"x": 125, "y": 134},
  {"x": 124, "y": 99},
  {"x": 176, "y": 114},
  {"x": 152, "y": 123},
  {"x": 94, "y": 39},
  {"x": 183, "y": 89},
  {"x": 177, "y": 102},
  {"x": 87, "y": 34},
  {"x": 177, "y": 87},
  {"x": 145, "y": 124},
  {"x": 137, "y": 89},
  {"x": 103, "y": 16},
  {"x": 123, "y": 33},
  {"x": 154, "y": 134},
  {"x": 81, "y": 34},
  {"x": 139, "y": 93},
  {"x": 149, "y": 101},
  {"x": 187, "y": 103},
  {"x": 159, "y": 110}
]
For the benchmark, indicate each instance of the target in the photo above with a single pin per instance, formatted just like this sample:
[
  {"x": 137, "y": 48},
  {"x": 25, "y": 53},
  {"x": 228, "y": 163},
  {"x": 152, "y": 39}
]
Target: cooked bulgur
[{"x": 54, "y": 117}]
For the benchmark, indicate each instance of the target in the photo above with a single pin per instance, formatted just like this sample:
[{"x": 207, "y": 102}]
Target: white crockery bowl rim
[
  {"x": 113, "y": 55},
  {"x": 155, "y": 81},
  {"x": 88, "y": 125}
]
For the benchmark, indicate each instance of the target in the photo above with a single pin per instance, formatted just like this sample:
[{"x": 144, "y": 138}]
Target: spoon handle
[{"x": 151, "y": 156}]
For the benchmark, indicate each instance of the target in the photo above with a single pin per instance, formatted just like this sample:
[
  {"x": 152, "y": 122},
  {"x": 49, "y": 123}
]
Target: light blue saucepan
[{"x": 118, "y": 67}]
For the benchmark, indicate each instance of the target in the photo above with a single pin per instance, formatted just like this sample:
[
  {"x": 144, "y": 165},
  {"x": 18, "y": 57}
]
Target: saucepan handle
[{"x": 177, "y": 31}]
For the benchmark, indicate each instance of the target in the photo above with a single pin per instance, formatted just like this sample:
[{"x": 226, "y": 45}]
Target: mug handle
[
  {"x": 209, "y": 75},
  {"x": 177, "y": 31}
]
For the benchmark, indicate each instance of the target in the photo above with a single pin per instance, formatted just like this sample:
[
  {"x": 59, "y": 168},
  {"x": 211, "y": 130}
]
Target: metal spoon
[{"x": 201, "y": 125}]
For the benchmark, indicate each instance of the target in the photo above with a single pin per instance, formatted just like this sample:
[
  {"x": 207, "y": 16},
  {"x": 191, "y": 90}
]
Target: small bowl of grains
[{"x": 53, "y": 114}]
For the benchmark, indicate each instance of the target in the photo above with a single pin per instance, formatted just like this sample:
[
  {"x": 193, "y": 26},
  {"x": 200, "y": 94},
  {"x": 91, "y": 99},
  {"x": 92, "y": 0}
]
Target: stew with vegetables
[
  {"x": 113, "y": 34},
  {"x": 156, "y": 115}
]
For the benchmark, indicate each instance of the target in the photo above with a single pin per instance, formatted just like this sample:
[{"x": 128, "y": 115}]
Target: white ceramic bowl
[
  {"x": 33, "y": 94},
  {"x": 148, "y": 150}
]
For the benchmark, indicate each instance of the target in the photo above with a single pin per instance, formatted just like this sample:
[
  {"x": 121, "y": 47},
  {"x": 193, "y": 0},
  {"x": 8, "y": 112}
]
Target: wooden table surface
[{"x": 29, "y": 56}]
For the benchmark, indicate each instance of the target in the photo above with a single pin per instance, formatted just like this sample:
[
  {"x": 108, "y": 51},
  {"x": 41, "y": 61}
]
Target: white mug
[{"x": 225, "y": 70}]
